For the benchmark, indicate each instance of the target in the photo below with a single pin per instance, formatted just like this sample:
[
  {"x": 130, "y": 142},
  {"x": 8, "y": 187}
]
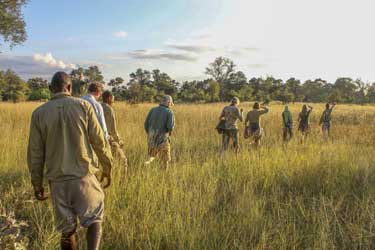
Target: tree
[
  {"x": 213, "y": 91},
  {"x": 79, "y": 85},
  {"x": 93, "y": 74},
  {"x": 15, "y": 88},
  {"x": 347, "y": 88},
  {"x": 294, "y": 86},
  {"x": 191, "y": 92},
  {"x": 81, "y": 78},
  {"x": 362, "y": 90},
  {"x": 37, "y": 83},
  {"x": 116, "y": 82},
  {"x": 315, "y": 91},
  {"x": 164, "y": 83},
  {"x": 221, "y": 70},
  {"x": 143, "y": 77},
  {"x": 12, "y": 24},
  {"x": 39, "y": 94}
]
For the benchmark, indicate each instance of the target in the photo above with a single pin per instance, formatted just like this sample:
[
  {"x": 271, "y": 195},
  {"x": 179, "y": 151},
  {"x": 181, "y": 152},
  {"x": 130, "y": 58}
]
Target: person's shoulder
[{"x": 106, "y": 107}]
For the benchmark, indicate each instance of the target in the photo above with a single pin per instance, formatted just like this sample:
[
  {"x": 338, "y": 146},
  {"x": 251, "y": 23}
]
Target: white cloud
[
  {"x": 120, "y": 34},
  {"x": 50, "y": 61}
]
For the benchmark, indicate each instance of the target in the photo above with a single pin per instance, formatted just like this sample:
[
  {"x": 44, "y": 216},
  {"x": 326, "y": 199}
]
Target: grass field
[{"x": 311, "y": 196}]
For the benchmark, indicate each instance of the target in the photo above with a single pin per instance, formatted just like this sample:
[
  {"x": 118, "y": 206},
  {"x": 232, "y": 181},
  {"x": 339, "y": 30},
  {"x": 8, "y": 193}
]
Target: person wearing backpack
[
  {"x": 228, "y": 121},
  {"x": 325, "y": 121}
]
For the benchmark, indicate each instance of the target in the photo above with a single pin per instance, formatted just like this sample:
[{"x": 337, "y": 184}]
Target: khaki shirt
[
  {"x": 110, "y": 120},
  {"x": 63, "y": 133},
  {"x": 254, "y": 115},
  {"x": 231, "y": 114}
]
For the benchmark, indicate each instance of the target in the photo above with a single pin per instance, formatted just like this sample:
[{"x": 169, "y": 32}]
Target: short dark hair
[
  {"x": 256, "y": 105},
  {"x": 59, "y": 81},
  {"x": 106, "y": 94},
  {"x": 327, "y": 106},
  {"x": 95, "y": 87}
]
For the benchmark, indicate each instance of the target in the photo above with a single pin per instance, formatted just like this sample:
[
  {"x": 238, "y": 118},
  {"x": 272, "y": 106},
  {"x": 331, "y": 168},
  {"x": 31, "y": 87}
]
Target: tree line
[{"x": 223, "y": 82}]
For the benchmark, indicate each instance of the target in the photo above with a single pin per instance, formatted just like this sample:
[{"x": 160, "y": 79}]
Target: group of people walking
[
  {"x": 232, "y": 114},
  {"x": 72, "y": 138}
]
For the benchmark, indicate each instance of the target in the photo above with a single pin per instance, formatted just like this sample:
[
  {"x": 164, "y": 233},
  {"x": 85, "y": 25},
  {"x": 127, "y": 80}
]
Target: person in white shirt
[{"x": 93, "y": 94}]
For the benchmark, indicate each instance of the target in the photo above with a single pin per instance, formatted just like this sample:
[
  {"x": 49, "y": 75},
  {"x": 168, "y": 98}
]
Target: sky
[{"x": 306, "y": 39}]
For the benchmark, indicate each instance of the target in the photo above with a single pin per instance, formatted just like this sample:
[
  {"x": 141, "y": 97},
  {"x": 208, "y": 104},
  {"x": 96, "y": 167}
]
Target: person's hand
[
  {"x": 39, "y": 195},
  {"x": 108, "y": 177}
]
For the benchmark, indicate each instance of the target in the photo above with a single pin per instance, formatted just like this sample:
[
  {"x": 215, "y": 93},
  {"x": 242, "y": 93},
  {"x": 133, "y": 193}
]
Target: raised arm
[
  {"x": 264, "y": 111},
  {"x": 240, "y": 114}
]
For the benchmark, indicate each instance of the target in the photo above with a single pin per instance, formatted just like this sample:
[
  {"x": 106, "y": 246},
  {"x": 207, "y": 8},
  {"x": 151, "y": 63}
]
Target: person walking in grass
[
  {"x": 63, "y": 133},
  {"x": 325, "y": 121},
  {"x": 253, "y": 128},
  {"x": 287, "y": 120},
  {"x": 94, "y": 92},
  {"x": 114, "y": 138},
  {"x": 304, "y": 122},
  {"x": 159, "y": 125},
  {"x": 229, "y": 116}
]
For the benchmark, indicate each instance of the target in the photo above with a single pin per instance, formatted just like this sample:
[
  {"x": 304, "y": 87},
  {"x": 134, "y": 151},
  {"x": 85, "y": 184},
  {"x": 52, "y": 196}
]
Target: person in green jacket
[
  {"x": 287, "y": 124},
  {"x": 159, "y": 125}
]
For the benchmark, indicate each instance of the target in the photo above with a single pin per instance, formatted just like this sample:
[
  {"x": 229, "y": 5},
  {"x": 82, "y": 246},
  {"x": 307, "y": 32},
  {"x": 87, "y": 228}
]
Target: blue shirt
[{"x": 98, "y": 111}]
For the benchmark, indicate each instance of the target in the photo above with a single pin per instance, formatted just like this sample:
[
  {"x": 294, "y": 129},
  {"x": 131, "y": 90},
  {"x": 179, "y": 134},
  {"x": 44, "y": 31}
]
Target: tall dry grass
[{"x": 304, "y": 196}]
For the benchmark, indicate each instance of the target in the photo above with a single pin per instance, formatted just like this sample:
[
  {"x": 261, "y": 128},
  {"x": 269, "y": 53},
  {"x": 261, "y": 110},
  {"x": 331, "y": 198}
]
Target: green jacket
[
  {"x": 287, "y": 119},
  {"x": 63, "y": 134},
  {"x": 159, "y": 124}
]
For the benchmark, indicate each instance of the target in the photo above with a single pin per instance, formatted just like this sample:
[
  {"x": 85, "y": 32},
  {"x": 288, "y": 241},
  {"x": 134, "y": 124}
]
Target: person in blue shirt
[{"x": 93, "y": 94}]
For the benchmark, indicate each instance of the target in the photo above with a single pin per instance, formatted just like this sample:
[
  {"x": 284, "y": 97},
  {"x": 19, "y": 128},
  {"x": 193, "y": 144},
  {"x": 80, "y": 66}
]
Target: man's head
[
  {"x": 167, "y": 101},
  {"x": 256, "y": 105},
  {"x": 95, "y": 89},
  {"x": 304, "y": 108},
  {"x": 286, "y": 108},
  {"x": 108, "y": 97},
  {"x": 327, "y": 106},
  {"x": 235, "y": 101},
  {"x": 61, "y": 82}
]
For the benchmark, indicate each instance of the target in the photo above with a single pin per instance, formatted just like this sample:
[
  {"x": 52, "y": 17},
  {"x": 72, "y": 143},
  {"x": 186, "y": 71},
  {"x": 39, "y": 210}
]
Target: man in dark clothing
[{"x": 159, "y": 125}]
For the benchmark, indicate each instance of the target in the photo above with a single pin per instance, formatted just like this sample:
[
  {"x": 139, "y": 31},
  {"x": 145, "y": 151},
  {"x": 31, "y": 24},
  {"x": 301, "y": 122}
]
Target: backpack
[{"x": 221, "y": 127}]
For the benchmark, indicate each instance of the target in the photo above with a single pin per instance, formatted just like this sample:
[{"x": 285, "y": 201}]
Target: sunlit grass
[{"x": 303, "y": 196}]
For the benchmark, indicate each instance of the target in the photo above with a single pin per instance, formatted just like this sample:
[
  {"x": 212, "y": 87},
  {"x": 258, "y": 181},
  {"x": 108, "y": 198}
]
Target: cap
[
  {"x": 166, "y": 99},
  {"x": 235, "y": 100}
]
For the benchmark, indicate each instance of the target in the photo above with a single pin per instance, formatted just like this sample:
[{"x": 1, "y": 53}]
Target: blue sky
[{"x": 305, "y": 39}]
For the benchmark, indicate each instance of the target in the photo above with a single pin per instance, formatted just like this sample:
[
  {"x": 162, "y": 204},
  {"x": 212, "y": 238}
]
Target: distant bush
[{"x": 40, "y": 94}]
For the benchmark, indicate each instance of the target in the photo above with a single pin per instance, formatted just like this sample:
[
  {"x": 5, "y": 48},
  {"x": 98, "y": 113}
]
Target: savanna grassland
[{"x": 304, "y": 196}]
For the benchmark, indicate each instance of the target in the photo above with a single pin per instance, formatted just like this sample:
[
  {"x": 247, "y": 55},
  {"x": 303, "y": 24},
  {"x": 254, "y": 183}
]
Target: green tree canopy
[{"x": 12, "y": 24}]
